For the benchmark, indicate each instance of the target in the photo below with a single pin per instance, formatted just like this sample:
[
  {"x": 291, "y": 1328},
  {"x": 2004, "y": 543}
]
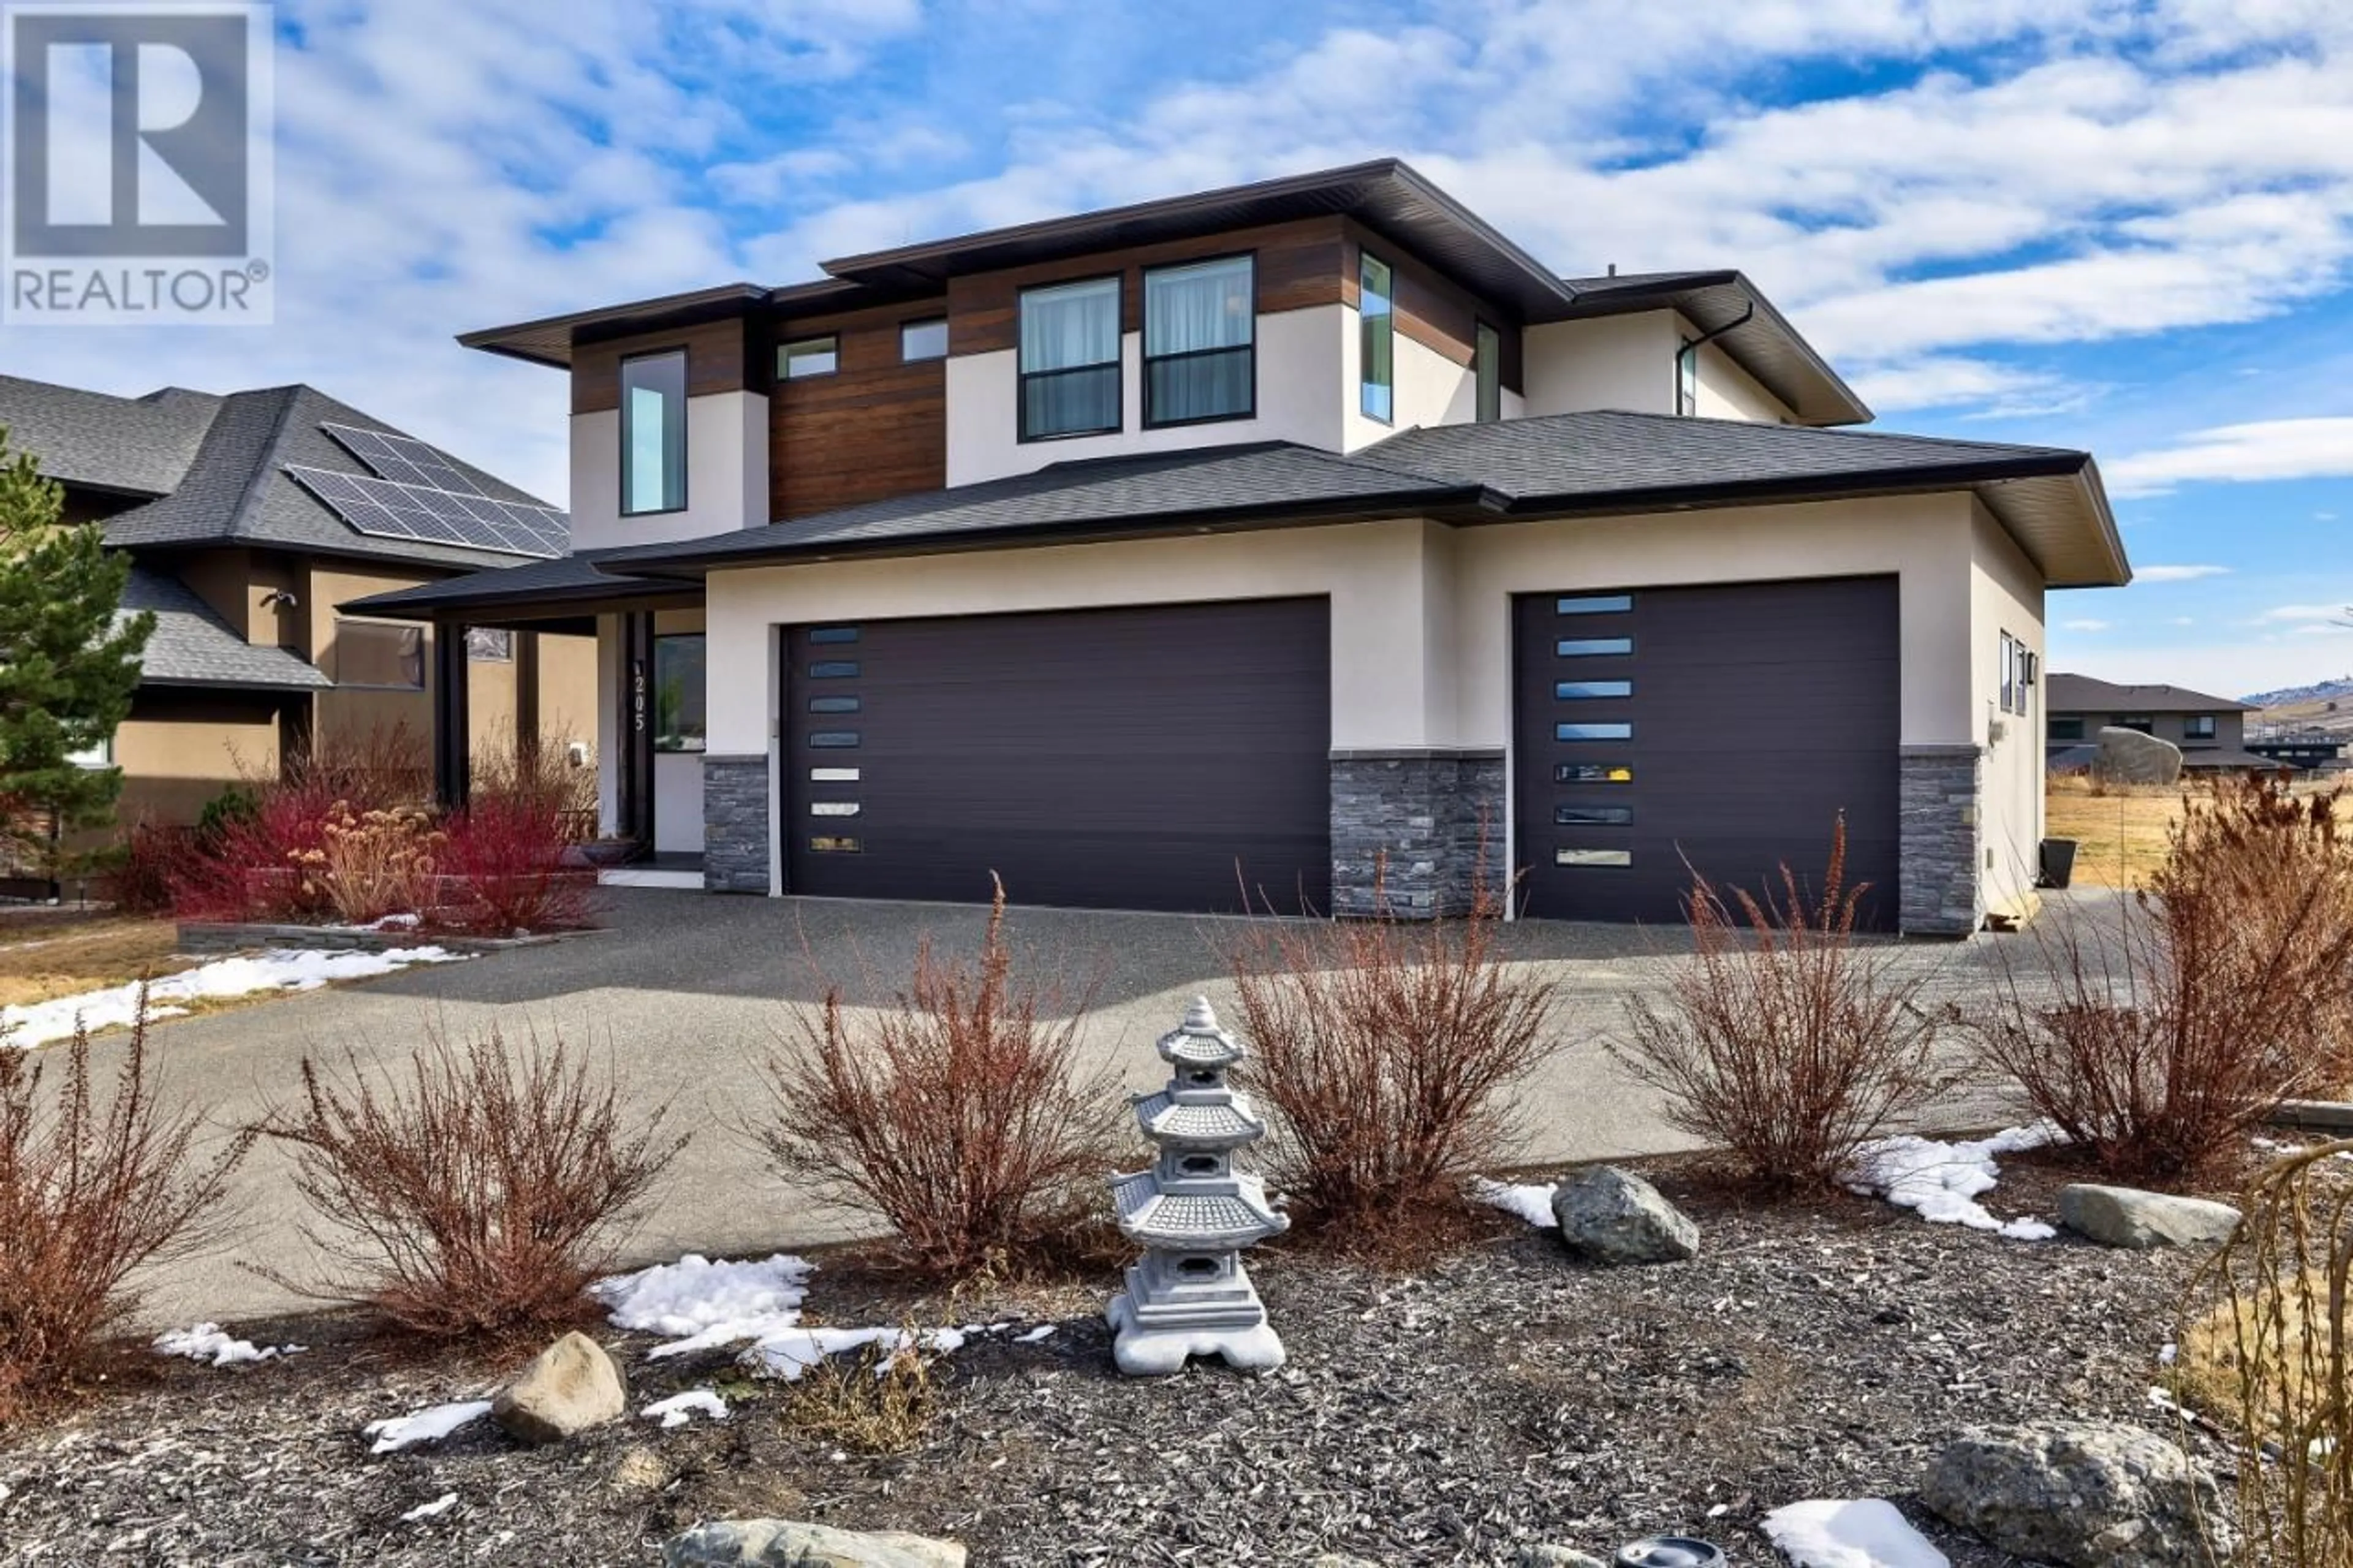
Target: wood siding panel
[
  {"x": 1298, "y": 265},
  {"x": 875, "y": 428},
  {"x": 720, "y": 356},
  {"x": 1431, "y": 310}
]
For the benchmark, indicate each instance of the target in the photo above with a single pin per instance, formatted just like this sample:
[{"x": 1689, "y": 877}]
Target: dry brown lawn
[
  {"x": 2120, "y": 833},
  {"x": 40, "y": 959}
]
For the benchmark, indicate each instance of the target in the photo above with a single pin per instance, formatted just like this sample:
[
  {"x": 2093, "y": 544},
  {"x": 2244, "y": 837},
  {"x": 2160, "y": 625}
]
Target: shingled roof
[
  {"x": 217, "y": 468},
  {"x": 1569, "y": 465},
  {"x": 194, "y": 646},
  {"x": 2064, "y": 693}
]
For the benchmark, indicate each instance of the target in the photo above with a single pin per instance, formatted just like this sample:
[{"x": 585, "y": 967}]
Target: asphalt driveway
[{"x": 688, "y": 993}]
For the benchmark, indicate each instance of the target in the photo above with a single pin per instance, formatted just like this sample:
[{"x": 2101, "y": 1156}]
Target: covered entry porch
[{"x": 650, "y": 694}]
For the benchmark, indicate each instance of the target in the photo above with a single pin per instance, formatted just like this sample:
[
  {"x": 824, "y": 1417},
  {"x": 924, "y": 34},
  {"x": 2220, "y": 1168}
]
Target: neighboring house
[
  {"x": 250, "y": 517},
  {"x": 2210, "y": 731},
  {"x": 2308, "y": 752},
  {"x": 1304, "y": 537}
]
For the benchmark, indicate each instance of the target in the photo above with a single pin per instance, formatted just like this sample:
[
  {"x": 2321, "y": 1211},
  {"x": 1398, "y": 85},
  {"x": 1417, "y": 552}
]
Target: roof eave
[
  {"x": 1785, "y": 491},
  {"x": 689, "y": 567}
]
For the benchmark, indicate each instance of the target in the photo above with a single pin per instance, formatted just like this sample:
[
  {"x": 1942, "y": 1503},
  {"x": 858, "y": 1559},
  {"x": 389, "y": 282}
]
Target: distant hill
[
  {"x": 2324, "y": 708},
  {"x": 2338, "y": 690}
]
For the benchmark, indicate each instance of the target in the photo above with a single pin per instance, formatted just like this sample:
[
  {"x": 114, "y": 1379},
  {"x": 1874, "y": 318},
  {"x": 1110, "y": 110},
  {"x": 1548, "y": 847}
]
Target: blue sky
[{"x": 2127, "y": 226}]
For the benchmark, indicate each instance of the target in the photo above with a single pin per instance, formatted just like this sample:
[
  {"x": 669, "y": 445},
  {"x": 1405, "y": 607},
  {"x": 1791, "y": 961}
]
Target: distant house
[
  {"x": 2210, "y": 731},
  {"x": 250, "y": 517},
  {"x": 2309, "y": 751}
]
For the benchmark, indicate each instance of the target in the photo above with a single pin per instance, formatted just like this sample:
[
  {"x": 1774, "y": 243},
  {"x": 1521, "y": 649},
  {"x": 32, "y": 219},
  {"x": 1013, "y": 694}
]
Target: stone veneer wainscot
[
  {"x": 1407, "y": 827},
  {"x": 735, "y": 850}
]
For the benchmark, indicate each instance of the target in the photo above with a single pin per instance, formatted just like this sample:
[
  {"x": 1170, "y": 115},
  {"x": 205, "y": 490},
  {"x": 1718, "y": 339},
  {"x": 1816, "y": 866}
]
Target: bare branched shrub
[
  {"x": 879, "y": 1401},
  {"x": 2220, "y": 989},
  {"x": 91, "y": 1189},
  {"x": 2274, "y": 1361},
  {"x": 1388, "y": 1051},
  {"x": 957, "y": 1110},
  {"x": 477, "y": 1193},
  {"x": 376, "y": 769},
  {"x": 1785, "y": 1041},
  {"x": 537, "y": 775}
]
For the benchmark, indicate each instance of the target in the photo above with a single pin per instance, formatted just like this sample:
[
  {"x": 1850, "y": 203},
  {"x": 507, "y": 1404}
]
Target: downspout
[{"x": 1689, "y": 354}]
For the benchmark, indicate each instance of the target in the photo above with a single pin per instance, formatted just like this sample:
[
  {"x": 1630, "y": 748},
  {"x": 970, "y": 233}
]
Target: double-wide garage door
[
  {"x": 1153, "y": 758},
  {"x": 1720, "y": 729}
]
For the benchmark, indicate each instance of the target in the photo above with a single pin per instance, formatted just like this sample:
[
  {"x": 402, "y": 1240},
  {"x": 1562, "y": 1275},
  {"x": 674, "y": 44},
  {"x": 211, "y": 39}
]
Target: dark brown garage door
[
  {"x": 1726, "y": 726},
  {"x": 1106, "y": 758}
]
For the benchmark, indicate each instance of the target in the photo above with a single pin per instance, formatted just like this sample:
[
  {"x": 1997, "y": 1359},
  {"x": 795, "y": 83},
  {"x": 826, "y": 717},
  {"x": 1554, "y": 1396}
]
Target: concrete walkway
[{"x": 689, "y": 993}]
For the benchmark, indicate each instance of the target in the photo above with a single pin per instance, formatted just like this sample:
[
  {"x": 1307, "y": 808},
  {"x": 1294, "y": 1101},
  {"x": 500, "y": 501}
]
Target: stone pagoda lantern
[{"x": 1193, "y": 1213}]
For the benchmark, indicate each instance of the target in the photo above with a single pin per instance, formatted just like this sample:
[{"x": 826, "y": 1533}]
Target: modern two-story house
[
  {"x": 1287, "y": 544},
  {"x": 249, "y": 518},
  {"x": 2210, "y": 731}
]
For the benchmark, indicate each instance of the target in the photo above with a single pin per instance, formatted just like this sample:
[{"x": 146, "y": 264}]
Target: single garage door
[
  {"x": 1107, "y": 759},
  {"x": 1725, "y": 726}
]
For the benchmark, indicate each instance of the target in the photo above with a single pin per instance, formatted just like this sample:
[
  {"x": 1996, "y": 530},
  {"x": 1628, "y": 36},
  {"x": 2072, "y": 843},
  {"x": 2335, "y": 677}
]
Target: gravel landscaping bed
[{"x": 1504, "y": 1396}]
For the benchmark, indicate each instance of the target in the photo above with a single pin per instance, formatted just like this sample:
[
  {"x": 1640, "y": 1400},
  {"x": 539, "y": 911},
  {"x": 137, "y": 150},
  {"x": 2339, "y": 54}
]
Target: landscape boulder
[
  {"x": 569, "y": 1387},
  {"x": 787, "y": 1543},
  {"x": 1609, "y": 1216},
  {"x": 2082, "y": 1494},
  {"x": 2128, "y": 757},
  {"x": 2123, "y": 1216}
]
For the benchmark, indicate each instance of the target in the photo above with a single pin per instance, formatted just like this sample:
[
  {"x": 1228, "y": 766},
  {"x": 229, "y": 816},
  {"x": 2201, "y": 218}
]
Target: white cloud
[
  {"x": 2304, "y": 613},
  {"x": 2086, "y": 625},
  {"x": 2317, "y": 447},
  {"x": 2177, "y": 573}
]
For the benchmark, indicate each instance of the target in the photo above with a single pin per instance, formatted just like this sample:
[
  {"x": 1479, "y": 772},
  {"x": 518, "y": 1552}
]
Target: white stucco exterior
[
  {"x": 1611, "y": 362},
  {"x": 2006, "y": 595},
  {"x": 726, "y": 475}
]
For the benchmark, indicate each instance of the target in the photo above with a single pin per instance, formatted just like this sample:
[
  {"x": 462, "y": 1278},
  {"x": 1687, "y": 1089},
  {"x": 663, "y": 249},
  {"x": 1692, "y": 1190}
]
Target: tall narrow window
[
  {"x": 1487, "y": 364},
  {"x": 1377, "y": 321},
  {"x": 1070, "y": 360},
  {"x": 653, "y": 433},
  {"x": 1198, "y": 324},
  {"x": 1687, "y": 380},
  {"x": 679, "y": 693}
]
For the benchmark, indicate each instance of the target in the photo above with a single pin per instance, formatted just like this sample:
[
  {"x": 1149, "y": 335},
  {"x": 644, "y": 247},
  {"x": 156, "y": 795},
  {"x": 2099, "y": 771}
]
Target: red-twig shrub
[
  {"x": 1785, "y": 1041},
  {"x": 502, "y": 860},
  {"x": 2161, "y": 1039},
  {"x": 958, "y": 1112},
  {"x": 92, "y": 1187},
  {"x": 477, "y": 1193},
  {"x": 1388, "y": 1051},
  {"x": 156, "y": 861}
]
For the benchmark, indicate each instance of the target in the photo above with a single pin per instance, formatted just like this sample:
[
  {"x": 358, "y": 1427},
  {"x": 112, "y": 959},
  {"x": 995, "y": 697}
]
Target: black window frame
[
  {"x": 1486, "y": 372},
  {"x": 2191, "y": 730},
  {"x": 1146, "y": 358},
  {"x": 1389, "y": 325},
  {"x": 784, "y": 357},
  {"x": 2066, "y": 726},
  {"x": 911, "y": 324},
  {"x": 685, "y": 465},
  {"x": 1117, "y": 363}
]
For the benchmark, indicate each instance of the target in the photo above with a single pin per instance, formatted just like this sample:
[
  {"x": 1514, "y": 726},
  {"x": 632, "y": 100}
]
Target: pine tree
[{"x": 68, "y": 659}]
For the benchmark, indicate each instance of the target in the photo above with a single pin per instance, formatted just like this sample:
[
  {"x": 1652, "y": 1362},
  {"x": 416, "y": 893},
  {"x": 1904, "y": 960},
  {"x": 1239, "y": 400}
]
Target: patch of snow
[
  {"x": 698, "y": 1305},
  {"x": 1042, "y": 1332},
  {"x": 433, "y": 1509},
  {"x": 395, "y": 922},
  {"x": 789, "y": 1353},
  {"x": 281, "y": 969},
  {"x": 1942, "y": 1180},
  {"x": 1869, "y": 1533},
  {"x": 426, "y": 1427},
  {"x": 680, "y": 1408},
  {"x": 2167, "y": 1353},
  {"x": 210, "y": 1342},
  {"x": 1531, "y": 1203}
]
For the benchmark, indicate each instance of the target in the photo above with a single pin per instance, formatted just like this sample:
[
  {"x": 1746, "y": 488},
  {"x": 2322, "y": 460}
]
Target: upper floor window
[
  {"x": 1487, "y": 365},
  {"x": 653, "y": 433},
  {"x": 2140, "y": 721},
  {"x": 1687, "y": 380},
  {"x": 1376, "y": 363},
  {"x": 2067, "y": 729},
  {"x": 1199, "y": 322},
  {"x": 809, "y": 356},
  {"x": 923, "y": 340},
  {"x": 2197, "y": 727},
  {"x": 1070, "y": 360}
]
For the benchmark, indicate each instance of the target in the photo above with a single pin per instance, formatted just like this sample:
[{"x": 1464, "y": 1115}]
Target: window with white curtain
[
  {"x": 1200, "y": 361},
  {"x": 1070, "y": 360}
]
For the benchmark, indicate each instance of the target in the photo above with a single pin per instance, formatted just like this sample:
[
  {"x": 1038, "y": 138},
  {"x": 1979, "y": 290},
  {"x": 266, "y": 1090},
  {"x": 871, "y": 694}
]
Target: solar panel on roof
[{"x": 437, "y": 512}]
